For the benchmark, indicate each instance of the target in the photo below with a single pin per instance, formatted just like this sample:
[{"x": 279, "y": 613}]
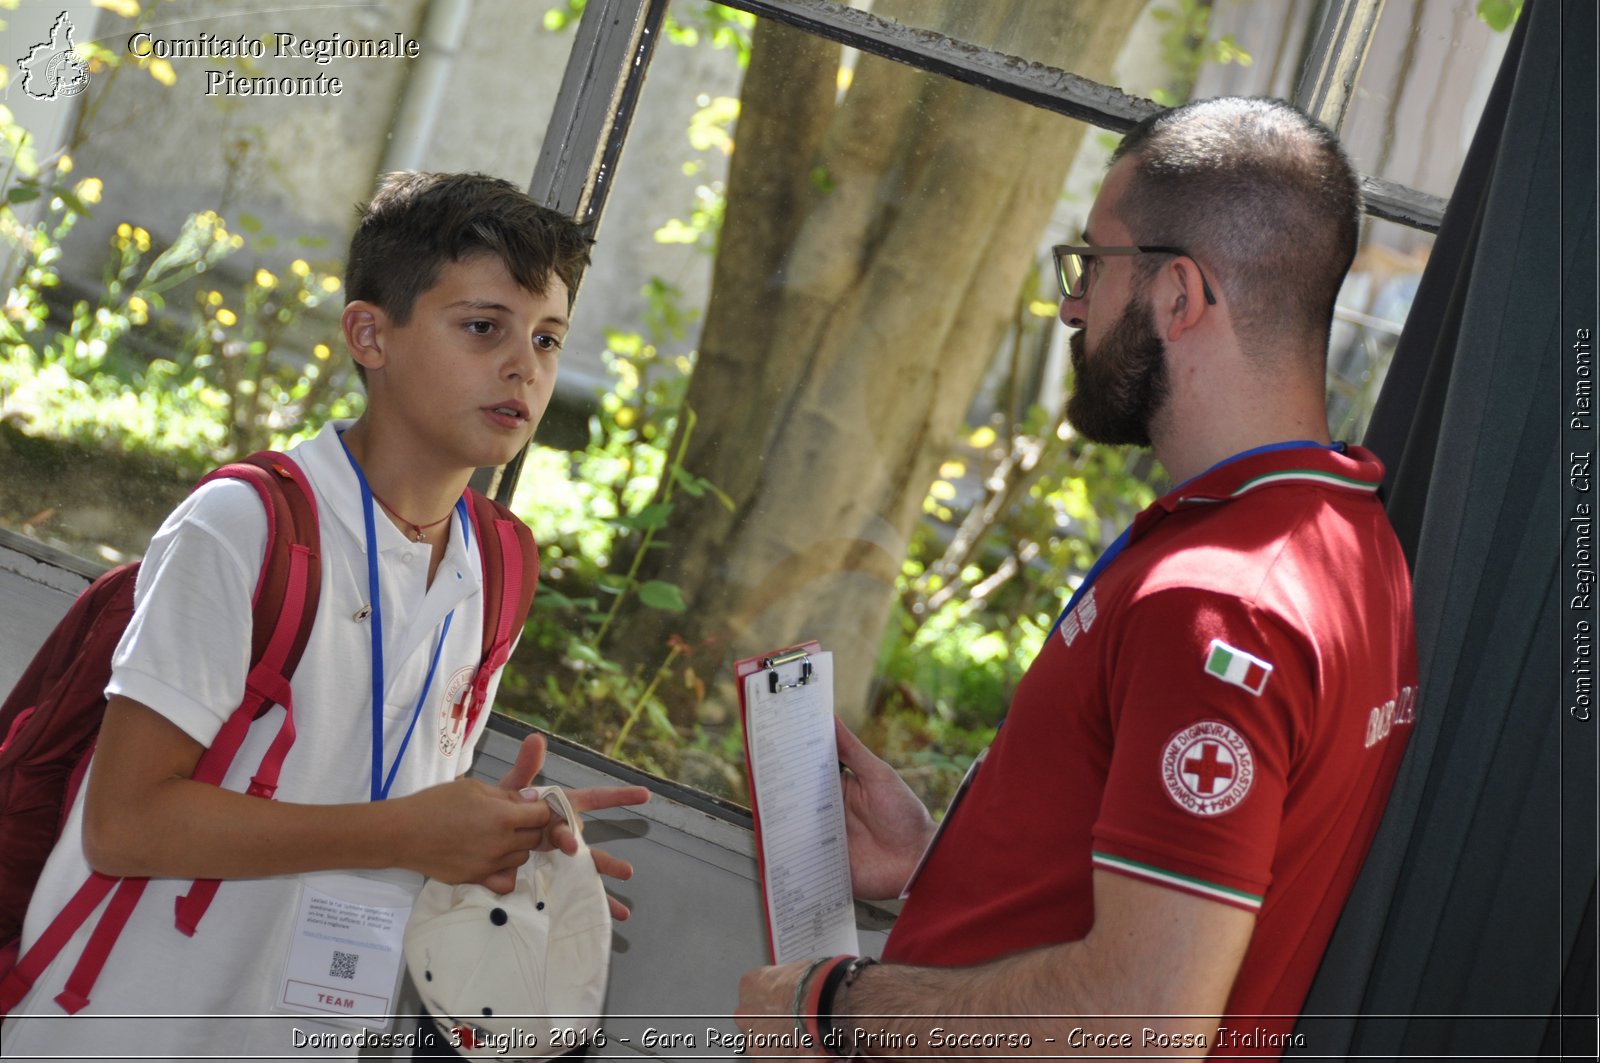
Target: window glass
[
  {"x": 838, "y": 416},
  {"x": 1372, "y": 308},
  {"x": 175, "y": 226},
  {"x": 833, "y": 407},
  {"x": 1424, "y": 84},
  {"x": 813, "y": 388},
  {"x": 1166, "y": 50},
  {"x": 1415, "y": 105}
]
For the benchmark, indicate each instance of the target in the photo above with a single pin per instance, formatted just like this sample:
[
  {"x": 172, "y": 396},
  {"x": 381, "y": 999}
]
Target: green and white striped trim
[
  {"x": 1333, "y": 479},
  {"x": 1238, "y": 898}
]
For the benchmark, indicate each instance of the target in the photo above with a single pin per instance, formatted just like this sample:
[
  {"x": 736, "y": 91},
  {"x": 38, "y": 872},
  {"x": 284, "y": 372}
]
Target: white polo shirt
[{"x": 185, "y": 654}]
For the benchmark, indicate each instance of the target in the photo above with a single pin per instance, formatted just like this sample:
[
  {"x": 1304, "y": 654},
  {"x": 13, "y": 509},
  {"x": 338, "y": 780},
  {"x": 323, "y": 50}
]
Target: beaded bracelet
[
  {"x": 806, "y": 994},
  {"x": 798, "y": 1006}
]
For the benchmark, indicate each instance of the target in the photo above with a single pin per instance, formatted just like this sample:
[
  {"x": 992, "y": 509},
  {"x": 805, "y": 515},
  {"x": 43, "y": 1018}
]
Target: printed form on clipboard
[{"x": 786, "y": 709}]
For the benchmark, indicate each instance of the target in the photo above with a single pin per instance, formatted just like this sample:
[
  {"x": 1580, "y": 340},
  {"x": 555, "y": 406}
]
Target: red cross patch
[{"x": 1207, "y": 768}]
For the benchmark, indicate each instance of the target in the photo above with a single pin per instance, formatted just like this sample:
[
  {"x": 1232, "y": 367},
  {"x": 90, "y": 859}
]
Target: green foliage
[
  {"x": 725, "y": 27},
  {"x": 1018, "y": 513},
  {"x": 686, "y": 25},
  {"x": 163, "y": 356},
  {"x": 710, "y": 131},
  {"x": 597, "y": 513},
  {"x": 81, "y": 369},
  {"x": 1500, "y": 15},
  {"x": 1186, "y": 47}
]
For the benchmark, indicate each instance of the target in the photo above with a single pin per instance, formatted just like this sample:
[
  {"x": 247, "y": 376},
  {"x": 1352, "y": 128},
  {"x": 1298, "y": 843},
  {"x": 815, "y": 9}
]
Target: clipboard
[{"x": 792, "y": 761}]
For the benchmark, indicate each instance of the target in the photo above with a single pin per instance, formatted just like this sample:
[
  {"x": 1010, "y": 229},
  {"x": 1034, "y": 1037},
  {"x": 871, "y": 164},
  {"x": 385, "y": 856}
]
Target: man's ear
[
  {"x": 1185, "y": 293},
  {"x": 362, "y": 323}
]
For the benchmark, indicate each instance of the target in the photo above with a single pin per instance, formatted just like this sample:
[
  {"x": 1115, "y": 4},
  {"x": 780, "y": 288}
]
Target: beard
[{"x": 1117, "y": 394}]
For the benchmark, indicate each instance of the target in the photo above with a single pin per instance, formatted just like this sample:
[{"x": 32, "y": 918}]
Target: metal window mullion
[
  {"x": 577, "y": 165},
  {"x": 598, "y": 96},
  {"x": 1077, "y": 97},
  {"x": 1334, "y": 62},
  {"x": 1034, "y": 83},
  {"x": 615, "y": 40}
]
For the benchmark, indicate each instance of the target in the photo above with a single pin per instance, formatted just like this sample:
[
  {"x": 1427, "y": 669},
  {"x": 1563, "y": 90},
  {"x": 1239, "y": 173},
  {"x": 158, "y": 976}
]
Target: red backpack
[{"x": 53, "y": 714}]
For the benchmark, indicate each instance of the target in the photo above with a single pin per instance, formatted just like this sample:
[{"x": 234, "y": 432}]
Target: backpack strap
[
  {"x": 510, "y": 577},
  {"x": 283, "y": 609}
]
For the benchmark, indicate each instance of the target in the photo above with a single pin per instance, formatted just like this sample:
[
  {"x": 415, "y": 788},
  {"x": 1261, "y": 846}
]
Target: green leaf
[
  {"x": 659, "y": 718},
  {"x": 550, "y": 598},
  {"x": 581, "y": 651},
  {"x": 691, "y": 484},
  {"x": 1499, "y": 14},
  {"x": 658, "y": 594},
  {"x": 70, "y": 198},
  {"x": 23, "y": 193},
  {"x": 650, "y": 517}
]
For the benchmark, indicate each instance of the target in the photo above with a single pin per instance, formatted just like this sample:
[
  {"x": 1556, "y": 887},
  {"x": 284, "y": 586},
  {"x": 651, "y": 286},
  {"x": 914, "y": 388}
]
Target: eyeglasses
[{"x": 1072, "y": 265}]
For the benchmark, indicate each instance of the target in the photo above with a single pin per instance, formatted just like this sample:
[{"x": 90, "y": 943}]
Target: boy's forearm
[
  {"x": 145, "y": 815},
  {"x": 186, "y": 829}
]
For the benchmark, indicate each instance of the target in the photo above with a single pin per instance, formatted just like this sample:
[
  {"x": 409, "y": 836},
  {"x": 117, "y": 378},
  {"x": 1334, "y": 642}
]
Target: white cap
[{"x": 502, "y": 971}]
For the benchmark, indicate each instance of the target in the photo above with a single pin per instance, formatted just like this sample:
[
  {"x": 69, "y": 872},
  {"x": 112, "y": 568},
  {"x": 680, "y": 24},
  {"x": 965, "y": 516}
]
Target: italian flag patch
[{"x": 1232, "y": 665}]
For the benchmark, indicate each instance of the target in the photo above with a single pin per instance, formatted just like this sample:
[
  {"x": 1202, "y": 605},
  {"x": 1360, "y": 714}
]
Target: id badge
[
  {"x": 949, "y": 813},
  {"x": 346, "y": 951}
]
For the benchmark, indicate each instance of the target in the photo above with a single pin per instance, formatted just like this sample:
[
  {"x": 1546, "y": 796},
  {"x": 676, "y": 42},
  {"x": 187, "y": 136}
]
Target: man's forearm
[{"x": 1057, "y": 1000}]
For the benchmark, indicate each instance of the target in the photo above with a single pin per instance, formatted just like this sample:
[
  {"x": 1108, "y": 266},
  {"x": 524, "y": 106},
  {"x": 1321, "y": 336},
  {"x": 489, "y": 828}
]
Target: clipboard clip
[{"x": 774, "y": 684}]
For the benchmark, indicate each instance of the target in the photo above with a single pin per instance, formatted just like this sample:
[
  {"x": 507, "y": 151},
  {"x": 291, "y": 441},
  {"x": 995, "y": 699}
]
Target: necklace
[{"x": 419, "y": 532}]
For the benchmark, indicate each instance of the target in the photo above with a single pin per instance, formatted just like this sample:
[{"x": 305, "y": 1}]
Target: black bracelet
[{"x": 841, "y": 977}]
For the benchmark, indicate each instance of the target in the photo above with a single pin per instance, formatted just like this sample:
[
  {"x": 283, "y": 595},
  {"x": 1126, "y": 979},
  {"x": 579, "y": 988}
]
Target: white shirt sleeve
[{"x": 186, "y": 650}]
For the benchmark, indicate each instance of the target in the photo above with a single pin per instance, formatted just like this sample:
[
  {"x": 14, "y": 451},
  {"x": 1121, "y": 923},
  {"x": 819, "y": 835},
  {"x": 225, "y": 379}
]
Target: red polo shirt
[{"x": 1222, "y": 713}]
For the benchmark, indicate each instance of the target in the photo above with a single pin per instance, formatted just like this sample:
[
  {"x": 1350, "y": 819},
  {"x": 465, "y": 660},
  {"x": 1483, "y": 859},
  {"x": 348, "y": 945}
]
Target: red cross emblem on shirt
[
  {"x": 1214, "y": 762},
  {"x": 1207, "y": 768}
]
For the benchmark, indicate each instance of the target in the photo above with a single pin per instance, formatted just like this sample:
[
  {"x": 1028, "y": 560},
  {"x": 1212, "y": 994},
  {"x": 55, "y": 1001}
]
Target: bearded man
[{"x": 1151, "y": 856}]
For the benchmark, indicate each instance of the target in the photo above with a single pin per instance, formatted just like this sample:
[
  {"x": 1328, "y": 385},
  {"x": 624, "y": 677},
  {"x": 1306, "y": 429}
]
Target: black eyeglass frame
[{"x": 1086, "y": 251}]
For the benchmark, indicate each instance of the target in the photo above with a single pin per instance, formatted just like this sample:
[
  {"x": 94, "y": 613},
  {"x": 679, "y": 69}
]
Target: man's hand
[
  {"x": 560, "y": 834},
  {"x": 886, "y": 825},
  {"x": 766, "y": 1009}
]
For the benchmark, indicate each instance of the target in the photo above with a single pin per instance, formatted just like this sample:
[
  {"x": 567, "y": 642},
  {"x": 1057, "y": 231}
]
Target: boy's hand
[
  {"x": 560, "y": 835},
  {"x": 467, "y": 831}
]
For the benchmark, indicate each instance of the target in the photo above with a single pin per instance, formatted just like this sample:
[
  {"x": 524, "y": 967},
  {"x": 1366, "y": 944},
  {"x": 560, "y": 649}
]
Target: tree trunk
[{"x": 872, "y": 252}]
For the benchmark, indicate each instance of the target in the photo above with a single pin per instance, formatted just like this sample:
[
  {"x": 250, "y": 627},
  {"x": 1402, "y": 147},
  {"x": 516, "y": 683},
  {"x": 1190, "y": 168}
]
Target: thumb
[
  {"x": 853, "y": 752},
  {"x": 530, "y": 759}
]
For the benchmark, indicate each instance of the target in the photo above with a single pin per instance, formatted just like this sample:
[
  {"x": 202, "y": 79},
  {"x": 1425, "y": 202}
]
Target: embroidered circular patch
[
  {"x": 453, "y": 712},
  {"x": 1208, "y": 768}
]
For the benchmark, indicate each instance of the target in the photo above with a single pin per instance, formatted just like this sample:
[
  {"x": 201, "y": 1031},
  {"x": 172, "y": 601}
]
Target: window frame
[{"x": 616, "y": 40}]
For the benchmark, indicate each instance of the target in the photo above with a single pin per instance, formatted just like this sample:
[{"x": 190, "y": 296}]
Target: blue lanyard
[
  {"x": 383, "y": 782},
  {"x": 1121, "y": 541}
]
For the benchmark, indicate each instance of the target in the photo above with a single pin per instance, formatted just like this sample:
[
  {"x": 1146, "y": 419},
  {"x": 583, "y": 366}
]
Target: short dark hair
[
  {"x": 418, "y": 221},
  {"x": 1258, "y": 191}
]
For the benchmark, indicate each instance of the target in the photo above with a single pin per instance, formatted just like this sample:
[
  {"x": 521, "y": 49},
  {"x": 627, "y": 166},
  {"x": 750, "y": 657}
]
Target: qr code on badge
[{"x": 344, "y": 964}]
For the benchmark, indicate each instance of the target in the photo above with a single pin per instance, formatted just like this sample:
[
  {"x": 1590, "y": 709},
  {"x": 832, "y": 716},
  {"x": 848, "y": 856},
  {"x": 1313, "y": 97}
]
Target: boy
[{"x": 459, "y": 290}]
